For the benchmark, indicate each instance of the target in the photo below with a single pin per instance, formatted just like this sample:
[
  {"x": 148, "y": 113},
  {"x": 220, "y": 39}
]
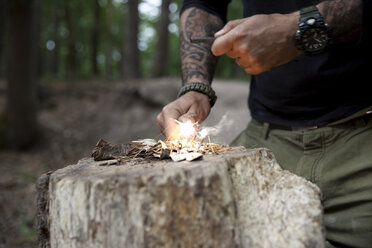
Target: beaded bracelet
[{"x": 199, "y": 87}]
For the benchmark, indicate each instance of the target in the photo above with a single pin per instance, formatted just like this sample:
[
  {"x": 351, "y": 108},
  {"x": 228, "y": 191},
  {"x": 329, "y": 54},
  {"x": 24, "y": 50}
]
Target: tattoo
[
  {"x": 198, "y": 62},
  {"x": 345, "y": 18}
]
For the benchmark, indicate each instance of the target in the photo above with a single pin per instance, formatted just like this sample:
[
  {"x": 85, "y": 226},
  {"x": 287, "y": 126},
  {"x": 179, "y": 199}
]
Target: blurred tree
[
  {"x": 2, "y": 36},
  {"x": 22, "y": 65},
  {"x": 71, "y": 60},
  {"x": 95, "y": 37},
  {"x": 131, "y": 67},
  {"x": 108, "y": 44},
  {"x": 160, "y": 68},
  {"x": 113, "y": 39},
  {"x": 53, "y": 44}
]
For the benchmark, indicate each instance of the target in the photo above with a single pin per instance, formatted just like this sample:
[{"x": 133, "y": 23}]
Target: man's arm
[
  {"x": 345, "y": 18},
  {"x": 198, "y": 62},
  {"x": 198, "y": 65},
  {"x": 262, "y": 42}
]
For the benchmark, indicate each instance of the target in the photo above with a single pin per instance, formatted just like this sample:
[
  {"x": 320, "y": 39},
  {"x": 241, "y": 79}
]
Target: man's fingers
[
  {"x": 189, "y": 116},
  {"x": 164, "y": 124},
  {"x": 232, "y": 54},
  {"x": 171, "y": 112},
  {"x": 229, "y": 26},
  {"x": 192, "y": 106},
  {"x": 225, "y": 38},
  {"x": 243, "y": 62},
  {"x": 160, "y": 121},
  {"x": 166, "y": 119},
  {"x": 255, "y": 69},
  {"x": 223, "y": 44},
  {"x": 171, "y": 129}
]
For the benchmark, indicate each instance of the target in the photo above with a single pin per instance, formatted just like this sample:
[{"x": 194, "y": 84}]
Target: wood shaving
[{"x": 177, "y": 150}]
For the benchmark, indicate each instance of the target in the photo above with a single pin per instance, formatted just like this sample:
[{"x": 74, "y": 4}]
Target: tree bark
[
  {"x": 131, "y": 66},
  {"x": 160, "y": 68},
  {"x": 237, "y": 199},
  {"x": 22, "y": 70}
]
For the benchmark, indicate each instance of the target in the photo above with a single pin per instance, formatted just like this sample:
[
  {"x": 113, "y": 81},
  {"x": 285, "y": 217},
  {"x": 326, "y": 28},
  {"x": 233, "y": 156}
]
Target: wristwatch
[{"x": 313, "y": 35}]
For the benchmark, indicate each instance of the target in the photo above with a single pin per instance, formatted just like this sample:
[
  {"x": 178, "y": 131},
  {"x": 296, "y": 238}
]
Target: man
[{"x": 310, "y": 94}]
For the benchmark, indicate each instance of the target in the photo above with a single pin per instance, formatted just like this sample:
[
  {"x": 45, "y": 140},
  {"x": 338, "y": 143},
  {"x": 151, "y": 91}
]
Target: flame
[
  {"x": 187, "y": 130},
  {"x": 184, "y": 134}
]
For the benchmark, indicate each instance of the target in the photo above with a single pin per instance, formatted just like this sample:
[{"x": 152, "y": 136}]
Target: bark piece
[
  {"x": 42, "y": 187},
  {"x": 104, "y": 150},
  {"x": 177, "y": 157},
  {"x": 241, "y": 198}
]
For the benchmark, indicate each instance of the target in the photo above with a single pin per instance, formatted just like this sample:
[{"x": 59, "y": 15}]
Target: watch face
[{"x": 314, "y": 39}]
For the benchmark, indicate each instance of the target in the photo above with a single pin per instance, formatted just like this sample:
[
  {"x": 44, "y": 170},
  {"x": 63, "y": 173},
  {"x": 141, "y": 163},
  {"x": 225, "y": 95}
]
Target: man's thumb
[
  {"x": 189, "y": 116},
  {"x": 228, "y": 27}
]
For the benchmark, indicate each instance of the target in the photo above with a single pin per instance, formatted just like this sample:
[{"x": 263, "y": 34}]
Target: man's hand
[
  {"x": 259, "y": 43},
  {"x": 198, "y": 65},
  {"x": 192, "y": 106}
]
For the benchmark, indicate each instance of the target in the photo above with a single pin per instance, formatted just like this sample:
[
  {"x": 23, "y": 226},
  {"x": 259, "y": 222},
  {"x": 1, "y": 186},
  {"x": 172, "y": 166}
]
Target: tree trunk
[
  {"x": 131, "y": 66},
  {"x": 22, "y": 69},
  {"x": 95, "y": 37},
  {"x": 108, "y": 42},
  {"x": 2, "y": 37},
  {"x": 71, "y": 61},
  {"x": 241, "y": 198},
  {"x": 160, "y": 68},
  {"x": 54, "y": 58}
]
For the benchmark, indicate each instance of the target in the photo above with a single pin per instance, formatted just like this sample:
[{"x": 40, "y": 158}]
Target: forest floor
[{"x": 73, "y": 116}]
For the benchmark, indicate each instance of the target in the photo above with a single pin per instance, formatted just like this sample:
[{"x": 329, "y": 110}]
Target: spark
[{"x": 187, "y": 130}]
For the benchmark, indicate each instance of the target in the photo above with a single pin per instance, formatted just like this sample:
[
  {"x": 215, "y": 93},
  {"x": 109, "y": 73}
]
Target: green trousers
[{"x": 336, "y": 158}]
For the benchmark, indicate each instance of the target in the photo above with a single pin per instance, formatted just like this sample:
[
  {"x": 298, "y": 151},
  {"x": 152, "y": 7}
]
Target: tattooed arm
[
  {"x": 198, "y": 62},
  {"x": 345, "y": 18},
  {"x": 198, "y": 65}
]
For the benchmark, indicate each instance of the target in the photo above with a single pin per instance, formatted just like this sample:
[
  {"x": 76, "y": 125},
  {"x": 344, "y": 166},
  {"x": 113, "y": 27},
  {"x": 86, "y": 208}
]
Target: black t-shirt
[{"x": 310, "y": 90}]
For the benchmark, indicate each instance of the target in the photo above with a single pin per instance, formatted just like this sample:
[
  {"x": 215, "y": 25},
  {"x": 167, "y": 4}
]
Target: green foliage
[
  {"x": 66, "y": 37},
  {"x": 28, "y": 232},
  {"x": 66, "y": 44}
]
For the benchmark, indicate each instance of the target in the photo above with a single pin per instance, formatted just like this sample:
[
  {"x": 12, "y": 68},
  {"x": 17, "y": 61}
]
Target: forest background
[{"x": 70, "y": 69}]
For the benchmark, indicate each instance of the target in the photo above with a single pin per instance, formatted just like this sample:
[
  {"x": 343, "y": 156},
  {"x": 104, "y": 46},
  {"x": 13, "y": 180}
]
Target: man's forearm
[
  {"x": 198, "y": 62},
  {"x": 345, "y": 18}
]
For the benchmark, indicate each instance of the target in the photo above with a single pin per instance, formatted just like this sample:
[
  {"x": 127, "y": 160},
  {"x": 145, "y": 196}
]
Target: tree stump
[{"x": 240, "y": 198}]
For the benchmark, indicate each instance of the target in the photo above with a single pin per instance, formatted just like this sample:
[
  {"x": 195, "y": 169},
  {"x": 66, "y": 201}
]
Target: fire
[
  {"x": 184, "y": 134},
  {"x": 187, "y": 130},
  {"x": 186, "y": 143}
]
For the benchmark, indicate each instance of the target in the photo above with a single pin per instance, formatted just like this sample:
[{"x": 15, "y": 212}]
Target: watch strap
[
  {"x": 310, "y": 12},
  {"x": 199, "y": 87}
]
